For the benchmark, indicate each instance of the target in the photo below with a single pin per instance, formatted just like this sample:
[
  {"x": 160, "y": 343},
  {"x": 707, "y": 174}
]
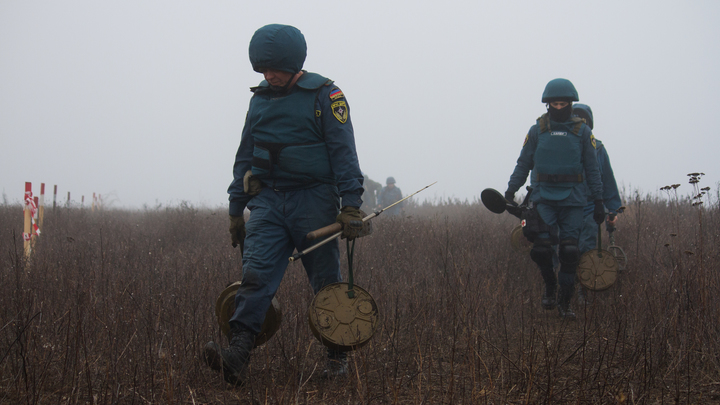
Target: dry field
[{"x": 115, "y": 307}]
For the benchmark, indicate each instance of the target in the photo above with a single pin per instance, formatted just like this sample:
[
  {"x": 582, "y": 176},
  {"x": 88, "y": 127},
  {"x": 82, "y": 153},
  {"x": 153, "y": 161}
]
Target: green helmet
[
  {"x": 278, "y": 46},
  {"x": 559, "y": 90}
]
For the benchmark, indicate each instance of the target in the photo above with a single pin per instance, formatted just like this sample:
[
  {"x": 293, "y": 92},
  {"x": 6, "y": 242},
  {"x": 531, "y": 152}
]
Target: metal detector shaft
[
  {"x": 332, "y": 228},
  {"x": 338, "y": 228},
  {"x": 599, "y": 243},
  {"x": 313, "y": 247}
]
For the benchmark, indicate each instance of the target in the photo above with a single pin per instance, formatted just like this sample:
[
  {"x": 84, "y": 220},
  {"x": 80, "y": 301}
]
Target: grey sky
[{"x": 145, "y": 101}]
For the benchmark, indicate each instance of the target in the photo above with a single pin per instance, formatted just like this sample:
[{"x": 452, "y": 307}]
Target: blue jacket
[
  {"x": 559, "y": 180},
  {"x": 611, "y": 195},
  {"x": 330, "y": 119}
]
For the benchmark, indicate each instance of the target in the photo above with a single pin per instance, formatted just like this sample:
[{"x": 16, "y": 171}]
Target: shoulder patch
[
  {"x": 336, "y": 94},
  {"x": 318, "y": 113},
  {"x": 526, "y": 139},
  {"x": 340, "y": 111},
  {"x": 592, "y": 140}
]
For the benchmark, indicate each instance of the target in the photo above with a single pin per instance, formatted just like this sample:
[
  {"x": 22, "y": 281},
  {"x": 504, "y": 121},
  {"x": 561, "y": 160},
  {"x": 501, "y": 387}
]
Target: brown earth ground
[{"x": 115, "y": 307}]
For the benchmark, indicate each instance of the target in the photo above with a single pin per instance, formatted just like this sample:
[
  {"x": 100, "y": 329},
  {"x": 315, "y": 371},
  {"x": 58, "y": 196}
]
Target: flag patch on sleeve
[{"x": 336, "y": 94}]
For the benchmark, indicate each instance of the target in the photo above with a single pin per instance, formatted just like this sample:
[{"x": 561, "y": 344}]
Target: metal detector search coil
[
  {"x": 225, "y": 308},
  {"x": 343, "y": 319},
  {"x": 597, "y": 269}
]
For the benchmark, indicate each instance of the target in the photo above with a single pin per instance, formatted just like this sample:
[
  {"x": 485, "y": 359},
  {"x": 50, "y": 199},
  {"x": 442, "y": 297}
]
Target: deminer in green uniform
[
  {"x": 560, "y": 151},
  {"x": 370, "y": 195},
  {"x": 296, "y": 160}
]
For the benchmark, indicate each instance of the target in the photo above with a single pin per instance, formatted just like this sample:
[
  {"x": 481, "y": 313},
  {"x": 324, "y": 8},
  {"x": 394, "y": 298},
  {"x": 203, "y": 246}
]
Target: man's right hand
[
  {"x": 237, "y": 231},
  {"x": 599, "y": 212}
]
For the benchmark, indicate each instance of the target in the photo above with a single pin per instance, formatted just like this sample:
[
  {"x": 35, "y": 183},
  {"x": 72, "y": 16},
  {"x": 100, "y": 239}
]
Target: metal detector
[
  {"x": 225, "y": 308},
  {"x": 343, "y": 316},
  {"x": 598, "y": 268}
]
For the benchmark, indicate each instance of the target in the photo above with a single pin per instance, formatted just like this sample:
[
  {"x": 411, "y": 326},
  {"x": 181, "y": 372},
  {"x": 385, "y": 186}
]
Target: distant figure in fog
[
  {"x": 389, "y": 195},
  {"x": 560, "y": 151},
  {"x": 370, "y": 195}
]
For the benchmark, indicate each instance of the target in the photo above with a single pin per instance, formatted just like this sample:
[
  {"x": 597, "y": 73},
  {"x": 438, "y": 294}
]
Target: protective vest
[
  {"x": 558, "y": 158},
  {"x": 289, "y": 142}
]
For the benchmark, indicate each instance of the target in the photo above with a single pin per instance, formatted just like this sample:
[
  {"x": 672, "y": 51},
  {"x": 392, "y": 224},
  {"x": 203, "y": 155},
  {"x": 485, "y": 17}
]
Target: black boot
[
  {"x": 548, "y": 298},
  {"x": 566, "y": 294},
  {"x": 232, "y": 361},
  {"x": 583, "y": 296}
]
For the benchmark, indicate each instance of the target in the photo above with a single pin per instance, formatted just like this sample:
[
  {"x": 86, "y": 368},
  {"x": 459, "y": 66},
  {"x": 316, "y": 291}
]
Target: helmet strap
[{"x": 289, "y": 84}]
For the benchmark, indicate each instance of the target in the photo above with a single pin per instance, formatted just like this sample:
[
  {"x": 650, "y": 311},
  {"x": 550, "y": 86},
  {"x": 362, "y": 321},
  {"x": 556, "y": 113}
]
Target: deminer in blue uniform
[
  {"x": 611, "y": 194},
  {"x": 296, "y": 160},
  {"x": 560, "y": 151}
]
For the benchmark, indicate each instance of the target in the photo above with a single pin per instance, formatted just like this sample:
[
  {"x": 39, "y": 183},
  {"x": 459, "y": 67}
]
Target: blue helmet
[
  {"x": 390, "y": 180},
  {"x": 559, "y": 90},
  {"x": 278, "y": 46},
  {"x": 583, "y": 111}
]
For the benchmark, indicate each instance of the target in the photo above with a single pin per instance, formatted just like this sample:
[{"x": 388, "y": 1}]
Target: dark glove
[
  {"x": 251, "y": 184},
  {"x": 351, "y": 220},
  {"x": 599, "y": 213},
  {"x": 237, "y": 231},
  {"x": 510, "y": 196}
]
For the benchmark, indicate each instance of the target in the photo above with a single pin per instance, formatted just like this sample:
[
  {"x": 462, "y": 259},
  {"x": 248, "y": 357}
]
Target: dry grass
[{"x": 115, "y": 306}]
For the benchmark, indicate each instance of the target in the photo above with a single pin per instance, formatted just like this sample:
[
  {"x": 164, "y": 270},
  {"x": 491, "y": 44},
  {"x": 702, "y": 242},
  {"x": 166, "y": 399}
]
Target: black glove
[
  {"x": 510, "y": 196},
  {"x": 599, "y": 213},
  {"x": 351, "y": 219},
  {"x": 237, "y": 231}
]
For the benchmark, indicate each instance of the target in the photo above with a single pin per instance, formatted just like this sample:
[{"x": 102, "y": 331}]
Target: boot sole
[
  {"x": 213, "y": 358},
  {"x": 549, "y": 306}
]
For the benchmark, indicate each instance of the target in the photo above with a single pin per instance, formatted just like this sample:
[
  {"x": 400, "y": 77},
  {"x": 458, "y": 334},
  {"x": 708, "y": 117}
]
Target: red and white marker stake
[
  {"x": 30, "y": 227},
  {"x": 41, "y": 206}
]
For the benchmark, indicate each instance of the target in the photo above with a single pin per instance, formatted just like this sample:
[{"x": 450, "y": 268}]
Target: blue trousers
[
  {"x": 278, "y": 224},
  {"x": 566, "y": 222},
  {"x": 588, "y": 234}
]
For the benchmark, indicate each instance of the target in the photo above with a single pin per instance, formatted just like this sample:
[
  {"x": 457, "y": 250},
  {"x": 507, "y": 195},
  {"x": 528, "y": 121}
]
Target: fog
[{"x": 144, "y": 102}]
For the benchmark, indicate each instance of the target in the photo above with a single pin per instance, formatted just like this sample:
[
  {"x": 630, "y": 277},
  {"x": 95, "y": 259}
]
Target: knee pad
[
  {"x": 542, "y": 252},
  {"x": 569, "y": 253}
]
